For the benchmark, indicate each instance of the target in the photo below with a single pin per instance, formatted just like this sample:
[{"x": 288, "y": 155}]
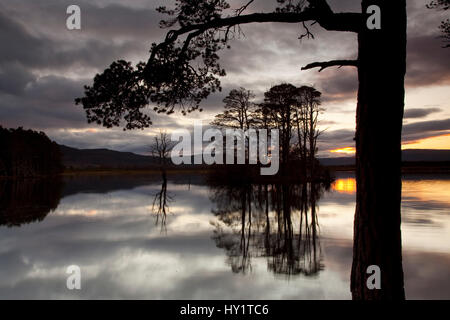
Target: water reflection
[
  {"x": 276, "y": 221},
  {"x": 265, "y": 234},
  {"x": 160, "y": 206},
  {"x": 24, "y": 201},
  {"x": 344, "y": 185}
]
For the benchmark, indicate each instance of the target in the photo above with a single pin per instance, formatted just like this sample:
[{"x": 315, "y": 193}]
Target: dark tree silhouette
[
  {"x": 185, "y": 71},
  {"x": 278, "y": 102},
  {"x": 161, "y": 148},
  {"x": 309, "y": 110},
  {"x": 27, "y": 153},
  {"x": 445, "y": 25},
  {"x": 239, "y": 110}
]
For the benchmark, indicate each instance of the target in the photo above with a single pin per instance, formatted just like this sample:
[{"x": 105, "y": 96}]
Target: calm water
[{"x": 134, "y": 237}]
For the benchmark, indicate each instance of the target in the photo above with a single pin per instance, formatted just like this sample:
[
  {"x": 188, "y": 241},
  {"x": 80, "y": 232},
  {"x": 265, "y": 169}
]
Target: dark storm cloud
[
  {"x": 419, "y": 112},
  {"x": 424, "y": 129},
  {"x": 43, "y": 103},
  {"x": 427, "y": 62},
  {"x": 14, "y": 77},
  {"x": 44, "y": 52},
  {"x": 340, "y": 84}
]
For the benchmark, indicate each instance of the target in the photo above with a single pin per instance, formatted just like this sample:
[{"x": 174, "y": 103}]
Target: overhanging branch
[
  {"x": 350, "y": 22},
  {"x": 332, "y": 63}
]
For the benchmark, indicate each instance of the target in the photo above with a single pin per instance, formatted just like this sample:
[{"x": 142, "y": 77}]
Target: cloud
[
  {"x": 42, "y": 103},
  {"x": 424, "y": 129},
  {"x": 427, "y": 62},
  {"x": 14, "y": 77},
  {"x": 419, "y": 112},
  {"x": 335, "y": 139},
  {"x": 342, "y": 138},
  {"x": 338, "y": 85}
]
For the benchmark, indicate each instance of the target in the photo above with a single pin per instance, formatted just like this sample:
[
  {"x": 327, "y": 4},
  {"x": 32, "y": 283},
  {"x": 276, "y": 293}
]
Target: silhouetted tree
[
  {"x": 184, "y": 72},
  {"x": 293, "y": 111},
  {"x": 279, "y": 101},
  {"x": 310, "y": 109},
  {"x": 161, "y": 148},
  {"x": 239, "y": 110},
  {"x": 27, "y": 153}
]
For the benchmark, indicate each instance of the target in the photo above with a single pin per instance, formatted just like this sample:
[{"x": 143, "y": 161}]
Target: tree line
[{"x": 28, "y": 153}]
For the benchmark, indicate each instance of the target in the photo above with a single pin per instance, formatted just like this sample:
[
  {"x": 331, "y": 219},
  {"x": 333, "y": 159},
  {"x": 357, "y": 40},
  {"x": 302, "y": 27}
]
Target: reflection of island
[
  {"x": 275, "y": 221},
  {"x": 28, "y": 200}
]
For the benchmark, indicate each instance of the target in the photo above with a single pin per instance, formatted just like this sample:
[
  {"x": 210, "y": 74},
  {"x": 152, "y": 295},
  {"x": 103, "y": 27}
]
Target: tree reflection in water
[
  {"x": 24, "y": 201},
  {"x": 275, "y": 221},
  {"x": 160, "y": 206}
]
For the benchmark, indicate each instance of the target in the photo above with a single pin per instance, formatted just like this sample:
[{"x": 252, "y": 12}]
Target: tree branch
[
  {"x": 327, "y": 64},
  {"x": 350, "y": 22}
]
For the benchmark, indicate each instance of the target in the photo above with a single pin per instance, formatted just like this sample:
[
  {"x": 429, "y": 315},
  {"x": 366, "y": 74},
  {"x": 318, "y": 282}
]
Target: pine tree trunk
[{"x": 377, "y": 236}]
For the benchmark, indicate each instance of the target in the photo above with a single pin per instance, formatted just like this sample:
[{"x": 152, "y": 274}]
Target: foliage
[
  {"x": 445, "y": 24},
  {"x": 292, "y": 110},
  {"x": 239, "y": 110},
  {"x": 27, "y": 153},
  {"x": 181, "y": 71}
]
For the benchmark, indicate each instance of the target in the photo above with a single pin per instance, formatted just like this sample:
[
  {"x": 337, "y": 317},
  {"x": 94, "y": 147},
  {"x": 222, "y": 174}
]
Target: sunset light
[
  {"x": 346, "y": 150},
  {"x": 441, "y": 142}
]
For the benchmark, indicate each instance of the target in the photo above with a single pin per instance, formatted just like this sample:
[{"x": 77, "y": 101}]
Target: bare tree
[{"x": 161, "y": 148}]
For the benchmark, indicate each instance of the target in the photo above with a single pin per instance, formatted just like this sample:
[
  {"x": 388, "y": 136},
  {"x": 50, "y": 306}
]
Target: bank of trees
[
  {"x": 294, "y": 111},
  {"x": 28, "y": 153}
]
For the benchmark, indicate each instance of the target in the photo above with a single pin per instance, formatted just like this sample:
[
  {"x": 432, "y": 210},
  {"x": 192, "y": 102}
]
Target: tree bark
[{"x": 381, "y": 71}]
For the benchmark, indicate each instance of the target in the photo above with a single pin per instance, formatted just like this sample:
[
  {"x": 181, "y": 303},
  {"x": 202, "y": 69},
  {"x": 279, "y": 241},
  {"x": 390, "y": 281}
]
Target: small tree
[{"x": 161, "y": 148}]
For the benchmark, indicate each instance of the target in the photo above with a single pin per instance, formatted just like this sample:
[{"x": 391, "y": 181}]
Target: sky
[{"x": 44, "y": 66}]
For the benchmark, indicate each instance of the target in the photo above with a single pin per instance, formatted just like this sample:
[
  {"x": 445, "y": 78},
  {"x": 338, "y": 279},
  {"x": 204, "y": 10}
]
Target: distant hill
[
  {"x": 104, "y": 158},
  {"x": 411, "y": 155}
]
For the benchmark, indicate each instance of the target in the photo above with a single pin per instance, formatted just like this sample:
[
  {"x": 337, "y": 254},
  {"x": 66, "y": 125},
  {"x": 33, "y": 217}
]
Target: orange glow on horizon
[
  {"x": 346, "y": 150},
  {"x": 441, "y": 142},
  {"x": 437, "y": 142}
]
